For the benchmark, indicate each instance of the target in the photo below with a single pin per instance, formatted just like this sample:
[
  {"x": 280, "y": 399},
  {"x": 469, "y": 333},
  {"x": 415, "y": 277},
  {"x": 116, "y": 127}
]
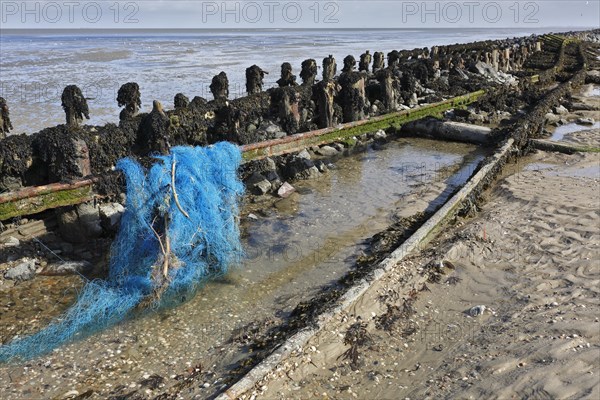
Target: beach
[
  {"x": 362, "y": 257},
  {"x": 530, "y": 257}
]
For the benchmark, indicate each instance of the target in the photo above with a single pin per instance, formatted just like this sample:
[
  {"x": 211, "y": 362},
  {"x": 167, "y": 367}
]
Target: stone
[
  {"x": 338, "y": 146},
  {"x": 327, "y": 151},
  {"x": 258, "y": 184},
  {"x": 304, "y": 154},
  {"x": 263, "y": 187},
  {"x": 552, "y": 119},
  {"x": 380, "y": 134},
  {"x": 477, "y": 310},
  {"x": 299, "y": 168},
  {"x": 70, "y": 394},
  {"x": 311, "y": 173},
  {"x": 413, "y": 101},
  {"x": 274, "y": 178},
  {"x": 80, "y": 223},
  {"x": 484, "y": 69},
  {"x": 321, "y": 166},
  {"x": 476, "y": 118},
  {"x": 585, "y": 121},
  {"x": 12, "y": 242},
  {"x": 23, "y": 271},
  {"x": 67, "y": 268},
  {"x": 560, "y": 110},
  {"x": 285, "y": 190},
  {"x": 270, "y": 164},
  {"x": 110, "y": 216}
]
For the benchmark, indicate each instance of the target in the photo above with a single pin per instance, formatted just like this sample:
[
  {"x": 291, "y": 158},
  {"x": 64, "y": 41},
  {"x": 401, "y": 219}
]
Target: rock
[
  {"x": 67, "y": 268},
  {"x": 380, "y": 134},
  {"x": 321, "y": 166},
  {"x": 338, "y": 146},
  {"x": 413, "y": 101},
  {"x": 273, "y": 177},
  {"x": 311, "y": 173},
  {"x": 560, "y": 110},
  {"x": 477, "y": 310},
  {"x": 258, "y": 184},
  {"x": 300, "y": 168},
  {"x": 12, "y": 242},
  {"x": 70, "y": 394},
  {"x": 585, "y": 121},
  {"x": 66, "y": 248},
  {"x": 263, "y": 187},
  {"x": 110, "y": 216},
  {"x": 304, "y": 154},
  {"x": 80, "y": 223},
  {"x": 552, "y": 119},
  {"x": 23, "y": 271},
  {"x": 285, "y": 190},
  {"x": 327, "y": 151},
  {"x": 460, "y": 74},
  {"x": 252, "y": 216},
  {"x": 477, "y": 118},
  {"x": 270, "y": 164},
  {"x": 484, "y": 69}
]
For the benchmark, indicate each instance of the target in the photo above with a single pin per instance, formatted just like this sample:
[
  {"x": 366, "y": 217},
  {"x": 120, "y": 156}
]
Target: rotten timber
[
  {"x": 561, "y": 147},
  {"x": 32, "y": 200},
  {"x": 422, "y": 236}
]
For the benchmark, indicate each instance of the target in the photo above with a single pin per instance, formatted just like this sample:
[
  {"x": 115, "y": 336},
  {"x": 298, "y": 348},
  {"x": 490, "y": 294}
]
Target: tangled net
[{"x": 180, "y": 227}]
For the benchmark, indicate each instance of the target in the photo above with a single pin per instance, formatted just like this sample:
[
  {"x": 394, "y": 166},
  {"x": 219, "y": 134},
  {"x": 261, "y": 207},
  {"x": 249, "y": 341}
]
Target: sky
[{"x": 297, "y": 14}]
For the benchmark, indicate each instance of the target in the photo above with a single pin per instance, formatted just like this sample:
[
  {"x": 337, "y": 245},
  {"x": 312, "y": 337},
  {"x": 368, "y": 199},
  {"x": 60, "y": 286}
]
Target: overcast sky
[{"x": 148, "y": 14}]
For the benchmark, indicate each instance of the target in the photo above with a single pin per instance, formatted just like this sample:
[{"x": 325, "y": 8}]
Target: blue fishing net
[{"x": 179, "y": 228}]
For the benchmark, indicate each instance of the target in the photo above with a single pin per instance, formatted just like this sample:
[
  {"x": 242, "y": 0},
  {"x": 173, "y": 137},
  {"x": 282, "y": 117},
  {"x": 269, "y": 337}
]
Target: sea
[{"x": 36, "y": 65}]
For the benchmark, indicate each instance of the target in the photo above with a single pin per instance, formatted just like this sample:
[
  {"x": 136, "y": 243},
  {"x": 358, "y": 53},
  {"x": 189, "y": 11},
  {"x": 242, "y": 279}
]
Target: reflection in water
[
  {"x": 290, "y": 255},
  {"x": 561, "y": 131}
]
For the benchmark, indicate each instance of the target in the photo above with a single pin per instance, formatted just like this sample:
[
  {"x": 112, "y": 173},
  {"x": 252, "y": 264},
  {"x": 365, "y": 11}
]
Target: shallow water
[
  {"x": 293, "y": 249},
  {"x": 36, "y": 67},
  {"x": 561, "y": 131}
]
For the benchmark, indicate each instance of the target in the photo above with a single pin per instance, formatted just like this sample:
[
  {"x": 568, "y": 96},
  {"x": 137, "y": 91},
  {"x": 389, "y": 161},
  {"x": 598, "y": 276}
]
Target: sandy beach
[{"x": 530, "y": 257}]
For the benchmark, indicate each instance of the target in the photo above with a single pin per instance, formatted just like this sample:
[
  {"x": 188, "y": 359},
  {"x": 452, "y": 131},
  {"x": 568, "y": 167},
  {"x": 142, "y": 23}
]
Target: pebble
[
  {"x": 477, "y": 310},
  {"x": 70, "y": 394},
  {"x": 12, "y": 242}
]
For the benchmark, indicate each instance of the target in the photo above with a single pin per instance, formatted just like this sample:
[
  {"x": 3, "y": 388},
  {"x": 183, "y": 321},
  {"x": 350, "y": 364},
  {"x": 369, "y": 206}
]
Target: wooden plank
[{"x": 32, "y": 200}]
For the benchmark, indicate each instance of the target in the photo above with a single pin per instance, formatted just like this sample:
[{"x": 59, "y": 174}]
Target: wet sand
[
  {"x": 530, "y": 257},
  {"x": 328, "y": 220}
]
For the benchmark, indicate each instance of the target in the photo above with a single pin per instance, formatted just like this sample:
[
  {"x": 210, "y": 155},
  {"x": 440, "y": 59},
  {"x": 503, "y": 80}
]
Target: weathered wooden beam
[
  {"x": 35, "y": 199},
  {"x": 449, "y": 130},
  {"x": 562, "y": 147},
  {"x": 417, "y": 240},
  {"x": 32, "y": 200},
  {"x": 346, "y": 131}
]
